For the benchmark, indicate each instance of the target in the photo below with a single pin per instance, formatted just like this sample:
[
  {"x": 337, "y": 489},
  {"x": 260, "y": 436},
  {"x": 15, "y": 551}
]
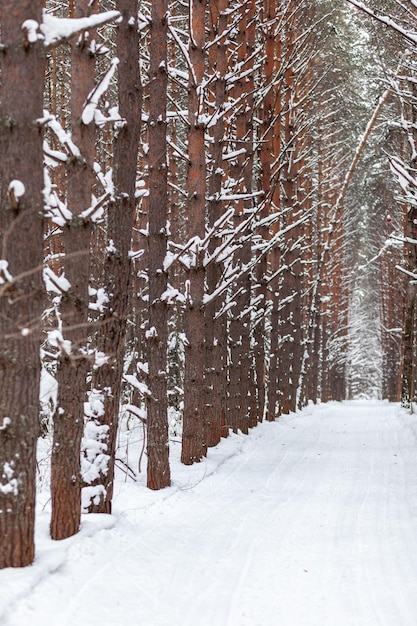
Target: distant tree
[{"x": 400, "y": 18}]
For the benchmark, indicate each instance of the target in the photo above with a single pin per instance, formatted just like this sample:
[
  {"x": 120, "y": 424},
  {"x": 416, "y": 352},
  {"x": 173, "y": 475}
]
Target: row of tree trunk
[{"x": 182, "y": 183}]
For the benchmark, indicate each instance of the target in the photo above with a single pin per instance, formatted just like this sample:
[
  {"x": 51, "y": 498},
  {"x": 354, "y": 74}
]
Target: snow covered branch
[
  {"x": 388, "y": 21},
  {"x": 54, "y": 30}
]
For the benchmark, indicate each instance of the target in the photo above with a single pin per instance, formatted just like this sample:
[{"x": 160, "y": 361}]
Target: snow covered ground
[{"x": 308, "y": 521}]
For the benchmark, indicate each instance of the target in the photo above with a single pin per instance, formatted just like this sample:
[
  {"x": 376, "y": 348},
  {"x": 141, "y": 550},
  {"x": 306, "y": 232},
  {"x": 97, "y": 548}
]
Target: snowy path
[{"x": 309, "y": 521}]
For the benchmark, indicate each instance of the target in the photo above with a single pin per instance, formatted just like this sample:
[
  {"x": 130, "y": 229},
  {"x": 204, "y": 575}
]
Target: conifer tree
[
  {"x": 107, "y": 380},
  {"x": 21, "y": 292},
  {"x": 157, "y": 333}
]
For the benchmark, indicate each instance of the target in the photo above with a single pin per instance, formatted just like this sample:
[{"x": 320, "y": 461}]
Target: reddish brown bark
[
  {"x": 248, "y": 178},
  {"x": 194, "y": 443},
  {"x": 290, "y": 293},
  {"x": 21, "y": 291},
  {"x": 241, "y": 387},
  {"x": 73, "y": 368},
  {"x": 408, "y": 361},
  {"x": 391, "y": 311},
  {"x": 265, "y": 157},
  {"x": 311, "y": 381},
  {"x": 274, "y": 257},
  {"x": 304, "y": 192},
  {"x": 215, "y": 329},
  {"x": 107, "y": 381},
  {"x": 157, "y": 432},
  {"x": 324, "y": 282}
]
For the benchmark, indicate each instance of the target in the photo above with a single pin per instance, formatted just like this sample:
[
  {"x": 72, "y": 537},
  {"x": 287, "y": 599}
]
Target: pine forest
[{"x": 208, "y": 220}]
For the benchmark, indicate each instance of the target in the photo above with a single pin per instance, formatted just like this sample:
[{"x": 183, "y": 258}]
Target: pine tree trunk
[
  {"x": 410, "y": 307},
  {"x": 107, "y": 380},
  {"x": 241, "y": 387},
  {"x": 73, "y": 368},
  {"x": 407, "y": 391},
  {"x": 392, "y": 310},
  {"x": 265, "y": 158},
  {"x": 194, "y": 442},
  {"x": 274, "y": 257},
  {"x": 215, "y": 329},
  {"x": 290, "y": 293},
  {"x": 157, "y": 418},
  {"x": 21, "y": 289}
]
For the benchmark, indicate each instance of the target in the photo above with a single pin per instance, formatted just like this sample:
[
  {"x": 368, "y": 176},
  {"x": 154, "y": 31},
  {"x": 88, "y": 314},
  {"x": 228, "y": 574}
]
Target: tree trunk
[
  {"x": 215, "y": 329},
  {"x": 194, "y": 442},
  {"x": 157, "y": 335},
  {"x": 241, "y": 388},
  {"x": 274, "y": 257},
  {"x": 407, "y": 391},
  {"x": 21, "y": 289},
  {"x": 107, "y": 380},
  {"x": 265, "y": 158},
  {"x": 290, "y": 294},
  {"x": 73, "y": 368}
]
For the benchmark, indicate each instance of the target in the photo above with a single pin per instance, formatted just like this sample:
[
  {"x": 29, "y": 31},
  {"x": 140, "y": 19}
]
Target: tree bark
[
  {"x": 274, "y": 257},
  {"x": 265, "y": 138},
  {"x": 157, "y": 417},
  {"x": 241, "y": 387},
  {"x": 290, "y": 293},
  {"x": 194, "y": 443},
  {"x": 21, "y": 290},
  {"x": 107, "y": 380},
  {"x": 73, "y": 368},
  {"x": 215, "y": 329}
]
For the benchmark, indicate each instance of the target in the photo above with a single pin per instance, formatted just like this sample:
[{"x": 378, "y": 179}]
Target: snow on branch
[
  {"x": 240, "y": 196},
  {"x": 53, "y": 30},
  {"x": 140, "y": 413},
  {"x": 54, "y": 283},
  {"x": 392, "y": 241},
  {"x": 170, "y": 259},
  {"x": 94, "y": 96},
  {"x": 95, "y": 212},
  {"x": 218, "y": 225},
  {"x": 233, "y": 274},
  {"x": 405, "y": 179},
  {"x": 106, "y": 180},
  {"x": 407, "y": 272},
  {"x": 16, "y": 191},
  {"x": 362, "y": 143},
  {"x": 396, "y": 240},
  {"x": 271, "y": 243},
  {"x": 137, "y": 384},
  {"x": 5, "y": 276},
  {"x": 183, "y": 49},
  {"x": 388, "y": 21},
  {"x": 177, "y": 151},
  {"x": 229, "y": 246},
  {"x": 60, "y": 133},
  {"x": 54, "y": 208}
]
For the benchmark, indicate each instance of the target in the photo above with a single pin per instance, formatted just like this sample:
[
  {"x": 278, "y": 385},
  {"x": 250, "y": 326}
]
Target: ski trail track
[{"x": 312, "y": 521}]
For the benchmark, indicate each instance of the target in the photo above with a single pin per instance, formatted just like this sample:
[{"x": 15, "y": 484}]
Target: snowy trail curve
[{"x": 309, "y": 521}]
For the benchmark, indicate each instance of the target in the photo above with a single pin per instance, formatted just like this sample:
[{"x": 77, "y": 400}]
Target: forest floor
[{"x": 308, "y": 521}]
